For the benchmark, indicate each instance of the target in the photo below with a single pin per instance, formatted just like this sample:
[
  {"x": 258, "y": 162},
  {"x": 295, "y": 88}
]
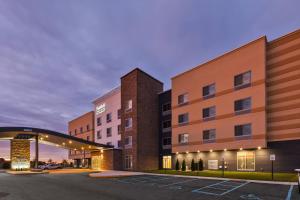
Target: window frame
[
  {"x": 209, "y": 140},
  {"x": 242, "y": 85},
  {"x": 109, "y": 128},
  {"x": 242, "y": 125},
  {"x": 185, "y": 137},
  {"x": 184, "y": 122},
  {"x": 184, "y": 102},
  {"x": 244, "y": 110},
  {"x": 209, "y": 117},
  {"x": 209, "y": 95}
]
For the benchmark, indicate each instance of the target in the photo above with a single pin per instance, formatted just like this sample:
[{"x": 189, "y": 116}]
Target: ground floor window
[
  {"x": 167, "y": 162},
  {"x": 246, "y": 161},
  {"x": 128, "y": 161}
]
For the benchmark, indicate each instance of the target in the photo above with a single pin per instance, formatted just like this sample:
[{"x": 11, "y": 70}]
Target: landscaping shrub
[
  {"x": 193, "y": 166},
  {"x": 183, "y": 167},
  {"x": 177, "y": 165},
  {"x": 200, "y": 165}
]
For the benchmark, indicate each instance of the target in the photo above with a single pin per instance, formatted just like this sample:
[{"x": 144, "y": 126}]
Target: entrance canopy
[{"x": 50, "y": 137}]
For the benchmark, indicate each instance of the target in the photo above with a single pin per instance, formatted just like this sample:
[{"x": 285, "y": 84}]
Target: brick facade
[{"x": 143, "y": 90}]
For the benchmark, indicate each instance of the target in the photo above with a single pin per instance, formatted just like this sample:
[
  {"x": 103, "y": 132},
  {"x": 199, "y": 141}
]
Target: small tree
[
  {"x": 183, "y": 167},
  {"x": 193, "y": 166},
  {"x": 177, "y": 165},
  {"x": 200, "y": 165}
]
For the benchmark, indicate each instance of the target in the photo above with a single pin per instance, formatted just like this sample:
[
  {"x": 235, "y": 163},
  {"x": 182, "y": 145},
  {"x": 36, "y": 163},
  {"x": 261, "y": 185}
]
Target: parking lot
[{"x": 81, "y": 186}]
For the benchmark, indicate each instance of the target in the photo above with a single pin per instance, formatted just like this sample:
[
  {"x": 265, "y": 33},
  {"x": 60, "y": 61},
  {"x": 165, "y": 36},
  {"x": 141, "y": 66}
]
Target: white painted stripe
[
  {"x": 289, "y": 195},
  {"x": 199, "y": 190},
  {"x": 217, "y": 188},
  {"x": 237, "y": 187},
  {"x": 176, "y": 183}
]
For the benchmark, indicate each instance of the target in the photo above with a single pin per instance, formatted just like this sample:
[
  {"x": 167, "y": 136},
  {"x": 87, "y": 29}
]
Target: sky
[{"x": 56, "y": 56}]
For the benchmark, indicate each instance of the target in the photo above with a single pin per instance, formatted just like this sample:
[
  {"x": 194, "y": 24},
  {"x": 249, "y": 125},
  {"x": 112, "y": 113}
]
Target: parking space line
[
  {"x": 198, "y": 190},
  {"x": 176, "y": 183},
  {"x": 289, "y": 195},
  {"x": 237, "y": 187},
  {"x": 217, "y": 188}
]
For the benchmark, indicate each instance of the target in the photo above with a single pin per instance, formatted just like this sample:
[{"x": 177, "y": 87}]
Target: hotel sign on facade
[{"x": 100, "y": 109}]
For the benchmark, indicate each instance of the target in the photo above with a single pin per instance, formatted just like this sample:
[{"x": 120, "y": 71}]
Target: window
[
  {"x": 70, "y": 133},
  {"x": 182, "y": 99},
  {"x": 209, "y": 113},
  {"x": 167, "y": 124},
  {"x": 242, "y": 105},
  {"x": 81, "y": 129},
  {"x": 242, "y": 130},
  {"x": 75, "y": 131},
  {"x": 128, "y": 161},
  {"x": 87, "y": 127},
  {"x": 167, "y": 141},
  {"x": 167, "y": 162},
  {"x": 99, "y": 121},
  {"x": 128, "y": 141},
  {"x": 119, "y": 144},
  {"x": 166, "y": 107},
  {"x": 183, "y": 138},
  {"x": 209, "y": 135},
  {"x": 246, "y": 161},
  {"x": 99, "y": 135},
  {"x": 128, "y": 105},
  {"x": 128, "y": 123},
  {"x": 119, "y": 114},
  {"x": 109, "y": 143},
  {"x": 88, "y": 138},
  {"x": 119, "y": 129},
  {"x": 183, "y": 118},
  {"x": 108, "y": 132},
  {"x": 108, "y": 117},
  {"x": 209, "y": 91},
  {"x": 242, "y": 80}
]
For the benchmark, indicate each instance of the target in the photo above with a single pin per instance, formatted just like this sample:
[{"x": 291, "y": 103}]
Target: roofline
[
  {"x": 285, "y": 36},
  {"x": 54, "y": 133},
  {"x": 81, "y": 116},
  {"x": 219, "y": 57},
  {"x": 108, "y": 94},
  {"x": 165, "y": 91},
  {"x": 138, "y": 69}
]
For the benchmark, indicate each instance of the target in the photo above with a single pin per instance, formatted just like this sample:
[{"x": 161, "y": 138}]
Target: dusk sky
[{"x": 56, "y": 56}]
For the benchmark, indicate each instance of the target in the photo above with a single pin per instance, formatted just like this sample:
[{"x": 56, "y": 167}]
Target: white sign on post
[{"x": 272, "y": 157}]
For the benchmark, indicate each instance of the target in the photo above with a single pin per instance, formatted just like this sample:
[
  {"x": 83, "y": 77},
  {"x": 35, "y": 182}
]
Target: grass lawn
[{"x": 288, "y": 177}]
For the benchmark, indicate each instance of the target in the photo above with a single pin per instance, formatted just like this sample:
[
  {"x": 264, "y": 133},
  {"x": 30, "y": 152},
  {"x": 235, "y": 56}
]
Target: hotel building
[
  {"x": 108, "y": 118},
  {"x": 82, "y": 127},
  {"x": 241, "y": 108}
]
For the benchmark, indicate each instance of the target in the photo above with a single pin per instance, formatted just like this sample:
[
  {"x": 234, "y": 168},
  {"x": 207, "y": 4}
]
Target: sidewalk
[
  {"x": 222, "y": 179},
  {"x": 114, "y": 174}
]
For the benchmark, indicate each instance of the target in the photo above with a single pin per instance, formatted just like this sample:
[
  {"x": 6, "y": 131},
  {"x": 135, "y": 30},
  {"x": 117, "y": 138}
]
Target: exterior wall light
[
  {"x": 63, "y": 143},
  {"x": 259, "y": 148},
  {"x": 225, "y": 149},
  {"x": 210, "y": 150},
  {"x": 186, "y": 152},
  {"x": 47, "y": 136},
  {"x": 177, "y": 152},
  {"x": 241, "y": 149},
  {"x": 198, "y": 151},
  {"x": 70, "y": 142}
]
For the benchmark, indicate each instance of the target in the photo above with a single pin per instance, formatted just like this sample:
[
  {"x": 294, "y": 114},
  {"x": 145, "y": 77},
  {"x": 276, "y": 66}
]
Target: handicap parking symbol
[{"x": 250, "y": 197}]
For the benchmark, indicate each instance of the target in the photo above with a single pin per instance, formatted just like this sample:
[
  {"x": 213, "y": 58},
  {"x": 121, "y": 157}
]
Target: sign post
[{"x": 272, "y": 158}]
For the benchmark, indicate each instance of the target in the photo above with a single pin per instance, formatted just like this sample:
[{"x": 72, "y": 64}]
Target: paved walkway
[{"x": 114, "y": 174}]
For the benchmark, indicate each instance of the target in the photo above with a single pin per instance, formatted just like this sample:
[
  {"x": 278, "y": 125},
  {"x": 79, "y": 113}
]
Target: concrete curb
[
  {"x": 222, "y": 179},
  {"x": 25, "y": 172},
  {"x": 114, "y": 174}
]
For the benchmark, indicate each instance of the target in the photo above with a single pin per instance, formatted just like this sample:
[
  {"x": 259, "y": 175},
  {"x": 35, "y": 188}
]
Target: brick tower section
[{"x": 142, "y": 89}]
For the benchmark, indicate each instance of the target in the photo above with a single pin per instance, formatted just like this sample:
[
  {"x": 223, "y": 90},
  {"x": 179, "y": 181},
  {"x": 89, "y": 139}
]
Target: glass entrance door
[
  {"x": 246, "y": 161},
  {"x": 96, "y": 162},
  {"x": 167, "y": 162}
]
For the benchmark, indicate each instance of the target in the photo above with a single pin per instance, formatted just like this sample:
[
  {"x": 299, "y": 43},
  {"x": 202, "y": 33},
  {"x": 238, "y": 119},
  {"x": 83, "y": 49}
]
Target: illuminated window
[
  {"x": 246, "y": 161},
  {"x": 167, "y": 162},
  {"x": 128, "y": 162}
]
